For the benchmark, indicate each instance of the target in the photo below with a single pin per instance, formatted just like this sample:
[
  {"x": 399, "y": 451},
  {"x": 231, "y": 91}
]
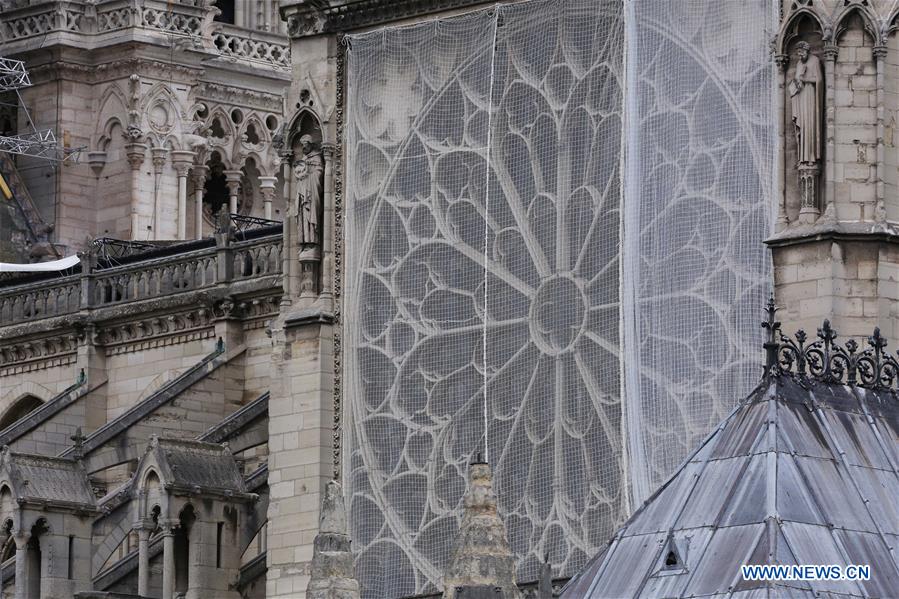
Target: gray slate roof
[
  {"x": 189, "y": 463},
  {"x": 803, "y": 472},
  {"x": 41, "y": 479}
]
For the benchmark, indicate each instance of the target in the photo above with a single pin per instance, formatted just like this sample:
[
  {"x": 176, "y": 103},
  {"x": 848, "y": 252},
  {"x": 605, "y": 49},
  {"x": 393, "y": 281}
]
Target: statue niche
[
  {"x": 309, "y": 175},
  {"x": 806, "y": 91},
  {"x": 304, "y": 192}
]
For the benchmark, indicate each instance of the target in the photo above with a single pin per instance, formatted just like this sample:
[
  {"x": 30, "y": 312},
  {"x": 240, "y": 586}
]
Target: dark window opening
[
  {"x": 216, "y": 129},
  {"x": 218, "y": 544},
  {"x": 227, "y": 8},
  {"x": 71, "y": 557},
  {"x": 215, "y": 191},
  {"x": 671, "y": 559},
  {"x": 182, "y": 549},
  {"x": 252, "y": 135},
  {"x": 21, "y": 408}
]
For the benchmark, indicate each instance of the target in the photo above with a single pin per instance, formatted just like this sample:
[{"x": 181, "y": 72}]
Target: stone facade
[
  {"x": 214, "y": 347},
  {"x": 163, "y": 100},
  {"x": 836, "y": 258}
]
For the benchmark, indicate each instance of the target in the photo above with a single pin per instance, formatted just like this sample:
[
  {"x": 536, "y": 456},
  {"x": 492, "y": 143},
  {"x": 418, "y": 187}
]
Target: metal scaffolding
[{"x": 40, "y": 144}]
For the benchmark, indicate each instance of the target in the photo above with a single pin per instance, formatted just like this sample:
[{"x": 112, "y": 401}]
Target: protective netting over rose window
[{"x": 516, "y": 199}]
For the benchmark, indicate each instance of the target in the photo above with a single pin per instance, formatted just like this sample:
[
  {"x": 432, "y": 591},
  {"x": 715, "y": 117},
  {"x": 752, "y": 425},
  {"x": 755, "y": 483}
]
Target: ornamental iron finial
[
  {"x": 772, "y": 326},
  {"x": 826, "y": 360}
]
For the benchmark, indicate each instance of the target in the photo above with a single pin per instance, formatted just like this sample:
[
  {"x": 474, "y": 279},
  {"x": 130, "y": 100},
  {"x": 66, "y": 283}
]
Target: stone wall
[
  {"x": 853, "y": 283},
  {"x": 843, "y": 265},
  {"x": 113, "y": 77},
  {"x": 301, "y": 418},
  {"x": 855, "y": 132}
]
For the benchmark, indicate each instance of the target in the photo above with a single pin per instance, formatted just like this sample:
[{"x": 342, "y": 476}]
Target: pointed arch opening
[{"x": 19, "y": 409}]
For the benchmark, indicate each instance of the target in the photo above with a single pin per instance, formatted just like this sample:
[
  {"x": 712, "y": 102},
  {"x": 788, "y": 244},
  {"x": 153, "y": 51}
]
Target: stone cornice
[
  {"x": 308, "y": 316},
  {"x": 116, "y": 69},
  {"x": 842, "y": 232},
  {"x": 139, "y": 325},
  {"x": 313, "y": 17},
  {"x": 240, "y": 96}
]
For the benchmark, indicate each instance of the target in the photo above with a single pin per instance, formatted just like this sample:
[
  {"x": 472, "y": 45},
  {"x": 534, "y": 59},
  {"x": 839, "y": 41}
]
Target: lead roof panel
[
  {"x": 724, "y": 493},
  {"x": 749, "y": 500},
  {"x": 852, "y": 435},
  {"x": 719, "y": 566},
  {"x": 834, "y": 494},
  {"x": 871, "y": 549},
  {"x": 816, "y": 545},
  {"x": 798, "y": 431},
  {"x": 707, "y": 499},
  {"x": 794, "y": 500}
]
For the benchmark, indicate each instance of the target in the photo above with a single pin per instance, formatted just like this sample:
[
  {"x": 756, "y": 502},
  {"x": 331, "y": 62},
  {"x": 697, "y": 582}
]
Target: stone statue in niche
[
  {"x": 806, "y": 92},
  {"x": 309, "y": 172}
]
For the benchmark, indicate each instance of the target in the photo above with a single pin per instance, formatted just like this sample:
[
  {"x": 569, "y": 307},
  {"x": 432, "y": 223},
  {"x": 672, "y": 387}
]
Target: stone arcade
[{"x": 424, "y": 298}]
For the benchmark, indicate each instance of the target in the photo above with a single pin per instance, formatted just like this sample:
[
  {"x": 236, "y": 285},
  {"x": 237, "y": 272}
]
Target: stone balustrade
[
  {"x": 49, "y": 298},
  {"x": 256, "y": 46},
  {"x": 81, "y": 17},
  {"x": 40, "y": 19},
  {"x": 217, "y": 264}
]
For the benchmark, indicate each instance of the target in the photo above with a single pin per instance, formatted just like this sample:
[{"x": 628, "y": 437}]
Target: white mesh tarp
[
  {"x": 485, "y": 262},
  {"x": 698, "y": 201},
  {"x": 417, "y": 135}
]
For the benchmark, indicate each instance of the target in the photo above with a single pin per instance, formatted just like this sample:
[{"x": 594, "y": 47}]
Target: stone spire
[
  {"x": 481, "y": 558},
  {"x": 333, "y": 576}
]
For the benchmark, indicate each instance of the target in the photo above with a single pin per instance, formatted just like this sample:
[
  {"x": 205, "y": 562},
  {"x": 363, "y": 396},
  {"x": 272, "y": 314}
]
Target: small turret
[
  {"x": 333, "y": 576},
  {"x": 481, "y": 561}
]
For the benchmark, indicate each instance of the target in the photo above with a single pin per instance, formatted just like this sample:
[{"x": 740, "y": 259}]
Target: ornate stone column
[
  {"x": 232, "y": 180},
  {"x": 830, "y": 61},
  {"x": 782, "y": 61},
  {"x": 158, "y": 157},
  {"x": 289, "y": 255},
  {"x": 199, "y": 173},
  {"x": 168, "y": 559},
  {"x": 182, "y": 161},
  {"x": 267, "y": 188},
  {"x": 21, "y": 539},
  {"x": 136, "y": 153},
  {"x": 327, "y": 263},
  {"x": 143, "y": 560},
  {"x": 808, "y": 192},
  {"x": 880, "y": 54}
]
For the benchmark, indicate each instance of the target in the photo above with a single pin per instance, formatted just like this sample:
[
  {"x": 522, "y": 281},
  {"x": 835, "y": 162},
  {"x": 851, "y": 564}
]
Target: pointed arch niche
[{"x": 803, "y": 28}]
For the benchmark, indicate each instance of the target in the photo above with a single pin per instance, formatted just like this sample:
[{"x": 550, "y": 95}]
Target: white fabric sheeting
[{"x": 51, "y": 266}]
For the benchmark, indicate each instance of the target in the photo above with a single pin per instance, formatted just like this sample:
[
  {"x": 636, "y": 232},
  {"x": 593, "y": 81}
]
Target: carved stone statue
[
  {"x": 806, "y": 92},
  {"x": 309, "y": 174}
]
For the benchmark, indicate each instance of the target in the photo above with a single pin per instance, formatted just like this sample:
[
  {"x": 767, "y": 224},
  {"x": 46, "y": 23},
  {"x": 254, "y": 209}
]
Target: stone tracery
[{"x": 481, "y": 293}]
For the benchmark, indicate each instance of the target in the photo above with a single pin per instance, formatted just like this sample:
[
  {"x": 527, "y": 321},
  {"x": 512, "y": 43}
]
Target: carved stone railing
[
  {"x": 41, "y": 19},
  {"x": 185, "y": 20},
  {"x": 32, "y": 302},
  {"x": 254, "y": 260},
  {"x": 180, "y": 19},
  {"x": 256, "y": 46},
  {"x": 154, "y": 277},
  {"x": 116, "y": 15}
]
